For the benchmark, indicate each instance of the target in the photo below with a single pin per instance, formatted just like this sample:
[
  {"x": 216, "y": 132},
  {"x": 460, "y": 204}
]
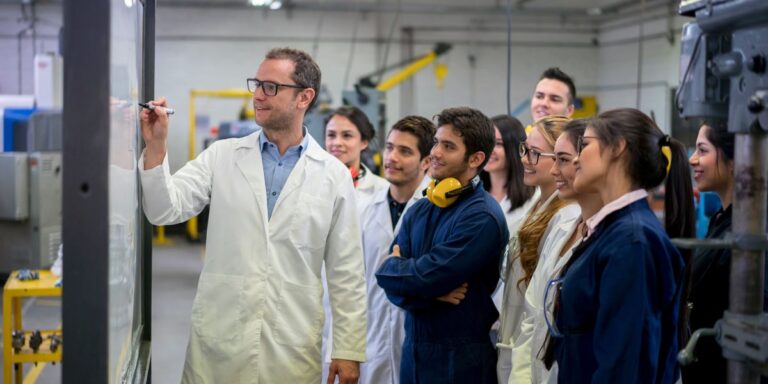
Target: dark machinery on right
[{"x": 723, "y": 75}]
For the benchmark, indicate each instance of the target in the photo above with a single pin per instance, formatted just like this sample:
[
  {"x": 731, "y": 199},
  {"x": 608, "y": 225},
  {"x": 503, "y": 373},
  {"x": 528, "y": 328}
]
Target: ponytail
[
  {"x": 679, "y": 216},
  {"x": 679, "y": 221}
]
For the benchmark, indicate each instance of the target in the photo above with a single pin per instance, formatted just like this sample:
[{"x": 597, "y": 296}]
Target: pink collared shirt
[{"x": 614, "y": 206}]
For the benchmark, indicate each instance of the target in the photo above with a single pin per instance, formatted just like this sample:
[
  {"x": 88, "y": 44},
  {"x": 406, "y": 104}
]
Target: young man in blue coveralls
[{"x": 440, "y": 248}]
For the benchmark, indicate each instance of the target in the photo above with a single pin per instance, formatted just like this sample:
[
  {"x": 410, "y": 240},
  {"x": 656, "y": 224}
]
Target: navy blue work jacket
[
  {"x": 441, "y": 249},
  {"x": 619, "y": 301}
]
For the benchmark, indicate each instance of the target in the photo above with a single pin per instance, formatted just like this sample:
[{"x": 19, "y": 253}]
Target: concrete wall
[
  {"x": 18, "y": 50},
  {"x": 621, "y": 58},
  {"x": 205, "y": 48}
]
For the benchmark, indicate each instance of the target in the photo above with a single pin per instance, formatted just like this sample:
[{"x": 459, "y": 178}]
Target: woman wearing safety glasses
[
  {"x": 527, "y": 363},
  {"x": 617, "y": 300},
  {"x": 525, "y": 246}
]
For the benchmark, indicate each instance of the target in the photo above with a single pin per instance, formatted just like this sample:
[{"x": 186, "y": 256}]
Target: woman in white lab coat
[
  {"x": 503, "y": 174},
  {"x": 348, "y": 132},
  {"x": 503, "y": 178},
  {"x": 564, "y": 235},
  {"x": 258, "y": 302},
  {"x": 525, "y": 245}
]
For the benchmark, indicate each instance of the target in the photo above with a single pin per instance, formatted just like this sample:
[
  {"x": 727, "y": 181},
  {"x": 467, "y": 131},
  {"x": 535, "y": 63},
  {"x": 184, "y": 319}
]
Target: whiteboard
[{"x": 124, "y": 215}]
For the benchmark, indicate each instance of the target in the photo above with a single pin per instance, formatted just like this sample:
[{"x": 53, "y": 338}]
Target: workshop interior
[{"x": 72, "y": 75}]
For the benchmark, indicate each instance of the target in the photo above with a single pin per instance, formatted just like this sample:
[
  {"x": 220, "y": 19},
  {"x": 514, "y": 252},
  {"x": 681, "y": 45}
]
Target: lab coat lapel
[
  {"x": 251, "y": 167},
  {"x": 381, "y": 204}
]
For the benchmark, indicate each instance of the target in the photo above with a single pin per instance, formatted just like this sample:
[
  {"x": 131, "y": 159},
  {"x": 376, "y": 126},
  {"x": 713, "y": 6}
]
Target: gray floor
[{"x": 175, "y": 270}]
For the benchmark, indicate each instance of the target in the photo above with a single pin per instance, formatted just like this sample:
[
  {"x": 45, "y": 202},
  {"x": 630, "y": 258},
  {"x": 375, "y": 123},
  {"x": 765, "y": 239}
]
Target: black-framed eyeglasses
[
  {"x": 269, "y": 88},
  {"x": 533, "y": 155},
  {"x": 580, "y": 144}
]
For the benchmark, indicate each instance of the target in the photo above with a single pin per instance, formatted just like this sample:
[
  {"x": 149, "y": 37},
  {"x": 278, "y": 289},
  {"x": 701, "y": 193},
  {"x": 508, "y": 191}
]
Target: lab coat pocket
[
  {"x": 217, "y": 311},
  {"x": 299, "y": 315},
  {"x": 311, "y": 221}
]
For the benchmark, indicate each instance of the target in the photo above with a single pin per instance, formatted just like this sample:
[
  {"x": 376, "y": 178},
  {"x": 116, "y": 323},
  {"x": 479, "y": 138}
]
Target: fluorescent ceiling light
[
  {"x": 276, "y": 5},
  {"x": 596, "y": 11}
]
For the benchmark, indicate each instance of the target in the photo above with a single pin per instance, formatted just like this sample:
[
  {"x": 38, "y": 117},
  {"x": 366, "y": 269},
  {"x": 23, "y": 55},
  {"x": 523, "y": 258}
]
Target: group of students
[
  {"x": 591, "y": 289},
  {"x": 484, "y": 254}
]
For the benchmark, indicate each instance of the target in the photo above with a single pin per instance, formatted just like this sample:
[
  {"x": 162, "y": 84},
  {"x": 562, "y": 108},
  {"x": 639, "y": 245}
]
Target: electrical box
[
  {"x": 14, "y": 196},
  {"x": 33, "y": 241}
]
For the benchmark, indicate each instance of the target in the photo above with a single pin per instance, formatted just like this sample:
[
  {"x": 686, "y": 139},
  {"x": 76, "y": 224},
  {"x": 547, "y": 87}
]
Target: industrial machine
[
  {"x": 724, "y": 76},
  {"x": 369, "y": 96},
  {"x": 30, "y": 196}
]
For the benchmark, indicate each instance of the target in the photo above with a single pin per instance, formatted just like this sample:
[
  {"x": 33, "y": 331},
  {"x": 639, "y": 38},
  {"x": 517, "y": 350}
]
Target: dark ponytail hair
[
  {"x": 647, "y": 168},
  {"x": 679, "y": 213},
  {"x": 647, "y": 165}
]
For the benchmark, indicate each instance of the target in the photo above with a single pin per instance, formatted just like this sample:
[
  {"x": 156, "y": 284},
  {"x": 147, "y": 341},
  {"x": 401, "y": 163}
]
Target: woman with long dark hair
[
  {"x": 712, "y": 164},
  {"x": 617, "y": 299},
  {"x": 503, "y": 174}
]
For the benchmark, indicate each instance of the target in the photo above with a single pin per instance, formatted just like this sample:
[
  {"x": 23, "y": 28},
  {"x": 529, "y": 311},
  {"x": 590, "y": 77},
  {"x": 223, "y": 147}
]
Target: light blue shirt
[{"x": 277, "y": 168}]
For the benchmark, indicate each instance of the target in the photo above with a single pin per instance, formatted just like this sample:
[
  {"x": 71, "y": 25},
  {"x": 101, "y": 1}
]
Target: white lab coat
[
  {"x": 514, "y": 221},
  {"x": 258, "y": 311},
  {"x": 527, "y": 366},
  {"x": 513, "y": 301},
  {"x": 367, "y": 186},
  {"x": 386, "y": 322}
]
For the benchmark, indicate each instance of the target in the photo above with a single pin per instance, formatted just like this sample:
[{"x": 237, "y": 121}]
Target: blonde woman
[
  {"x": 556, "y": 251},
  {"x": 538, "y": 155}
]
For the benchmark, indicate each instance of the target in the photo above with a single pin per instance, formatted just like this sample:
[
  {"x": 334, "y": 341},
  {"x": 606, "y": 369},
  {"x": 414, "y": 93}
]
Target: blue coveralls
[
  {"x": 618, "y": 306},
  {"x": 441, "y": 249}
]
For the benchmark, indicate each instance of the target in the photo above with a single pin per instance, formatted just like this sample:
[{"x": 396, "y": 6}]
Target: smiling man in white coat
[
  {"x": 280, "y": 208},
  {"x": 406, "y": 160}
]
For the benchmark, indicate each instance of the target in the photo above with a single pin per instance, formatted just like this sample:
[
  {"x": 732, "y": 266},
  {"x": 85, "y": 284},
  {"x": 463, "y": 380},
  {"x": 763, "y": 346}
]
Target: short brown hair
[
  {"x": 475, "y": 128},
  {"x": 306, "y": 72},
  {"x": 420, "y": 127}
]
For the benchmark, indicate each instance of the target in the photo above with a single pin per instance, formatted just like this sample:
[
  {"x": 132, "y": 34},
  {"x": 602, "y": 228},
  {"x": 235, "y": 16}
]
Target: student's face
[
  {"x": 402, "y": 162},
  {"x": 550, "y": 98},
  {"x": 563, "y": 170},
  {"x": 447, "y": 158},
  {"x": 712, "y": 171},
  {"x": 343, "y": 140},
  {"x": 591, "y": 164},
  {"x": 498, "y": 160},
  {"x": 278, "y": 112},
  {"x": 537, "y": 174}
]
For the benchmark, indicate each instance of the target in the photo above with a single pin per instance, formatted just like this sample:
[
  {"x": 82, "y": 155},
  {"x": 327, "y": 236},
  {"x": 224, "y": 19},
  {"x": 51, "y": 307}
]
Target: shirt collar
[
  {"x": 614, "y": 206},
  {"x": 264, "y": 141}
]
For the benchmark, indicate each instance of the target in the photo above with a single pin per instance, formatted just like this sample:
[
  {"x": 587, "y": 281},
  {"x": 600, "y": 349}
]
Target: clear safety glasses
[{"x": 551, "y": 295}]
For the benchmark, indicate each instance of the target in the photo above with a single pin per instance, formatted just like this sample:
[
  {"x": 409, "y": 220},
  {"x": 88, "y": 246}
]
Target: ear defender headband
[
  {"x": 445, "y": 192},
  {"x": 665, "y": 142}
]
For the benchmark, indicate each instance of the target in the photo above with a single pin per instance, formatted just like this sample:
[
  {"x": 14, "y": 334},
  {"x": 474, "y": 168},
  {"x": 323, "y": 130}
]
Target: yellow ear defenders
[{"x": 445, "y": 192}]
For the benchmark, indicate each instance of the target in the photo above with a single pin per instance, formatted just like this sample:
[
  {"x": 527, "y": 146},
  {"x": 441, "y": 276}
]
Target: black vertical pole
[{"x": 85, "y": 209}]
